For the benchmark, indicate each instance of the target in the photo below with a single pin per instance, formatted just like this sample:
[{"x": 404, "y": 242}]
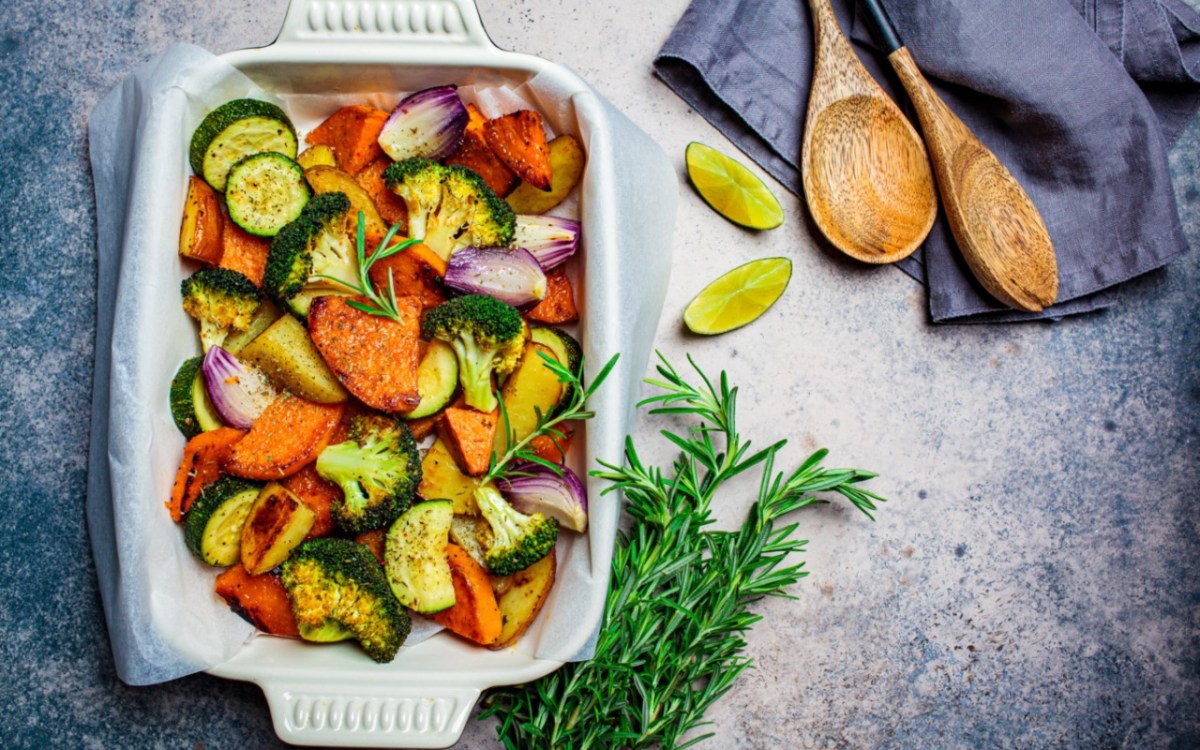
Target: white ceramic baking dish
[{"x": 333, "y": 695}]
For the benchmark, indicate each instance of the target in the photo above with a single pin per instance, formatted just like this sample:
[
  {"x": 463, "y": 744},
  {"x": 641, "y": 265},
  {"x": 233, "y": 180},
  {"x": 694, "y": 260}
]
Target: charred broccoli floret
[
  {"x": 487, "y": 336},
  {"x": 450, "y": 207},
  {"x": 306, "y": 251},
  {"x": 336, "y": 586},
  {"x": 518, "y": 540},
  {"x": 222, "y": 300},
  {"x": 378, "y": 469}
]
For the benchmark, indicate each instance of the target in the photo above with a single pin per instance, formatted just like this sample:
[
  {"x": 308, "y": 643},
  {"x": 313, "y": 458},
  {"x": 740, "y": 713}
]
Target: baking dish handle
[
  {"x": 356, "y": 714},
  {"x": 434, "y": 23}
]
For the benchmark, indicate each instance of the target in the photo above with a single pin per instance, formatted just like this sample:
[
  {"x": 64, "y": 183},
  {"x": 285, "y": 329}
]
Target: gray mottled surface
[{"x": 1032, "y": 584}]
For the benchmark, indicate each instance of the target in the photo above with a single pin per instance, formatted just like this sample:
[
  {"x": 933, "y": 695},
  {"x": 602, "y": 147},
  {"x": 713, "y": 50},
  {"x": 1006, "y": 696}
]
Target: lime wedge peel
[
  {"x": 731, "y": 189},
  {"x": 738, "y": 297}
]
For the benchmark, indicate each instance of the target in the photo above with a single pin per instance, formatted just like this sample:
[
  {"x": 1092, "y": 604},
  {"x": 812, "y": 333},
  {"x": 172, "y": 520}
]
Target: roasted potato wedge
[
  {"x": 531, "y": 388},
  {"x": 441, "y": 478},
  {"x": 278, "y": 521},
  {"x": 287, "y": 355},
  {"x": 200, "y": 233},
  {"x": 320, "y": 155},
  {"x": 520, "y": 597},
  {"x": 323, "y": 179}
]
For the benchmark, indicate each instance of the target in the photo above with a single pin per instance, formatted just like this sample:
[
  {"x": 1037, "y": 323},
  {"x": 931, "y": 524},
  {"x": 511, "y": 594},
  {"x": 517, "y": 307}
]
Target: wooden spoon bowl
[{"x": 865, "y": 171}]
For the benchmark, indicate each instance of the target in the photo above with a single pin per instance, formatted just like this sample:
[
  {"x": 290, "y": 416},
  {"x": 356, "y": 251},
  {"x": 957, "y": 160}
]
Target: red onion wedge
[
  {"x": 540, "y": 490},
  {"x": 511, "y": 275},
  {"x": 550, "y": 239},
  {"x": 429, "y": 123},
  {"x": 238, "y": 391}
]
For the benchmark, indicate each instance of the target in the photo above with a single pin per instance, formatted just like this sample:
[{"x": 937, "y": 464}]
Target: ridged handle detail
[
  {"x": 437, "y": 21},
  {"x": 310, "y": 715}
]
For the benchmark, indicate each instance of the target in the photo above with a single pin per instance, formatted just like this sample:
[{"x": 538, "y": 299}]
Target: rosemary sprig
[
  {"x": 575, "y": 408},
  {"x": 382, "y": 305},
  {"x": 673, "y": 634}
]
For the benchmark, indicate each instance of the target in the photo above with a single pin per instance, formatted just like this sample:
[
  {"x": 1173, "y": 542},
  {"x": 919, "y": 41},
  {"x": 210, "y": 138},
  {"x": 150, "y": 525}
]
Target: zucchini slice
[
  {"x": 191, "y": 408},
  {"x": 414, "y": 557},
  {"x": 265, "y": 193},
  {"x": 212, "y": 528},
  {"x": 437, "y": 379},
  {"x": 235, "y": 130},
  {"x": 566, "y": 350}
]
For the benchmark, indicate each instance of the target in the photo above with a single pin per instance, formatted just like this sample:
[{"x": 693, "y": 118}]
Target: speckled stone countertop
[{"x": 1032, "y": 582}]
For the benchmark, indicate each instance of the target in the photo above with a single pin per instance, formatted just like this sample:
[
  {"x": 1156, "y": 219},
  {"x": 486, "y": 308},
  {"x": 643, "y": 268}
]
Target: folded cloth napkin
[{"x": 1079, "y": 98}]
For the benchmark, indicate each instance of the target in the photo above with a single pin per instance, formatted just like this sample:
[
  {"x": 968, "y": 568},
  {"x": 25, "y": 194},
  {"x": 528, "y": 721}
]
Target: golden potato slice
[
  {"x": 200, "y": 233},
  {"x": 287, "y": 355},
  {"x": 441, "y": 478},
  {"x": 278, "y": 521},
  {"x": 317, "y": 156},
  {"x": 521, "y": 596},
  {"x": 566, "y": 166},
  {"x": 325, "y": 179},
  {"x": 530, "y": 388}
]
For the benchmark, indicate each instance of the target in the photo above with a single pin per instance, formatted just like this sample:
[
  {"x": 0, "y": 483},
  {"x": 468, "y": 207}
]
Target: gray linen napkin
[{"x": 1048, "y": 85}]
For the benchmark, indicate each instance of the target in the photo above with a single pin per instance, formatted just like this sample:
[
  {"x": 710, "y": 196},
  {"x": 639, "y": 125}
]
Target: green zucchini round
[
  {"x": 265, "y": 193},
  {"x": 212, "y": 528},
  {"x": 235, "y": 130},
  {"x": 414, "y": 557},
  {"x": 437, "y": 379},
  {"x": 191, "y": 408},
  {"x": 566, "y": 350}
]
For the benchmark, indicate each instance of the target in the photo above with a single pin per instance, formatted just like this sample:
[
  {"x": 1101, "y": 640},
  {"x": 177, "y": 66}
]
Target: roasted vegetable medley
[{"x": 380, "y": 418}]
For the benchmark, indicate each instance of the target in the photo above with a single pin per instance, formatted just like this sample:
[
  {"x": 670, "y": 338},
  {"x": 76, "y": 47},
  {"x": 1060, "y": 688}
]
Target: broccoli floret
[
  {"x": 487, "y": 336},
  {"x": 222, "y": 300},
  {"x": 317, "y": 244},
  {"x": 378, "y": 469},
  {"x": 336, "y": 586},
  {"x": 518, "y": 540},
  {"x": 450, "y": 207}
]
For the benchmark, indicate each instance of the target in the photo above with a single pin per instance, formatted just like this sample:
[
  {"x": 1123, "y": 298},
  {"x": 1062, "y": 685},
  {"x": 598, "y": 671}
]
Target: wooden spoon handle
[{"x": 998, "y": 229}]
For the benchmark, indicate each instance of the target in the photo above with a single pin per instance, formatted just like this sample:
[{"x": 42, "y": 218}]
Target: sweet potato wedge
[
  {"x": 470, "y": 435},
  {"x": 200, "y": 233},
  {"x": 558, "y": 306},
  {"x": 475, "y": 154},
  {"x": 373, "y": 540},
  {"x": 519, "y": 139},
  {"x": 203, "y": 457},
  {"x": 475, "y": 614},
  {"x": 286, "y": 437},
  {"x": 376, "y": 358},
  {"x": 523, "y": 595},
  {"x": 553, "y": 449},
  {"x": 317, "y": 494},
  {"x": 566, "y": 166},
  {"x": 352, "y": 132},
  {"x": 260, "y": 600},
  {"x": 244, "y": 252},
  {"x": 412, "y": 275},
  {"x": 391, "y": 206}
]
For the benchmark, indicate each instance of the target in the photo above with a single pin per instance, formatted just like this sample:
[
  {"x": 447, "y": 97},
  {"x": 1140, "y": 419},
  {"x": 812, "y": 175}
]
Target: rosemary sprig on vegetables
[
  {"x": 574, "y": 408},
  {"x": 382, "y": 305},
  {"x": 673, "y": 635}
]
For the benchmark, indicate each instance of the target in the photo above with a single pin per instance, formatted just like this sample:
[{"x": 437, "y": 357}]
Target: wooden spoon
[
  {"x": 865, "y": 172},
  {"x": 998, "y": 229}
]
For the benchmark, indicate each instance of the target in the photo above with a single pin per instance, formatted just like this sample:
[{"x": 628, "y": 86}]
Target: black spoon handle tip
[{"x": 881, "y": 27}]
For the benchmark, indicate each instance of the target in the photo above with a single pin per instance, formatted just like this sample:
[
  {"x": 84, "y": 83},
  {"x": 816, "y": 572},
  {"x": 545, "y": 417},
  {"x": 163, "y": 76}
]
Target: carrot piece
[
  {"x": 411, "y": 276},
  {"x": 475, "y": 614},
  {"x": 519, "y": 139},
  {"x": 558, "y": 306},
  {"x": 391, "y": 207},
  {"x": 373, "y": 540},
  {"x": 352, "y": 133},
  {"x": 201, "y": 466},
  {"x": 475, "y": 154},
  {"x": 200, "y": 232},
  {"x": 553, "y": 449},
  {"x": 376, "y": 358},
  {"x": 470, "y": 434},
  {"x": 244, "y": 252},
  {"x": 261, "y": 600},
  {"x": 317, "y": 494},
  {"x": 285, "y": 438}
]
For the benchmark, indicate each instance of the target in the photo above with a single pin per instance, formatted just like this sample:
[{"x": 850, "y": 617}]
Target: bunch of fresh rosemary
[{"x": 674, "y": 631}]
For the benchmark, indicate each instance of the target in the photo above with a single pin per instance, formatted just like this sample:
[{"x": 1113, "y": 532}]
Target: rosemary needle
[{"x": 673, "y": 635}]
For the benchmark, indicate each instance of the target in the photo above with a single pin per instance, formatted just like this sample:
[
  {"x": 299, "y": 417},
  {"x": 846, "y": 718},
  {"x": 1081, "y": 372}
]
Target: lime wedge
[
  {"x": 738, "y": 297},
  {"x": 732, "y": 190}
]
